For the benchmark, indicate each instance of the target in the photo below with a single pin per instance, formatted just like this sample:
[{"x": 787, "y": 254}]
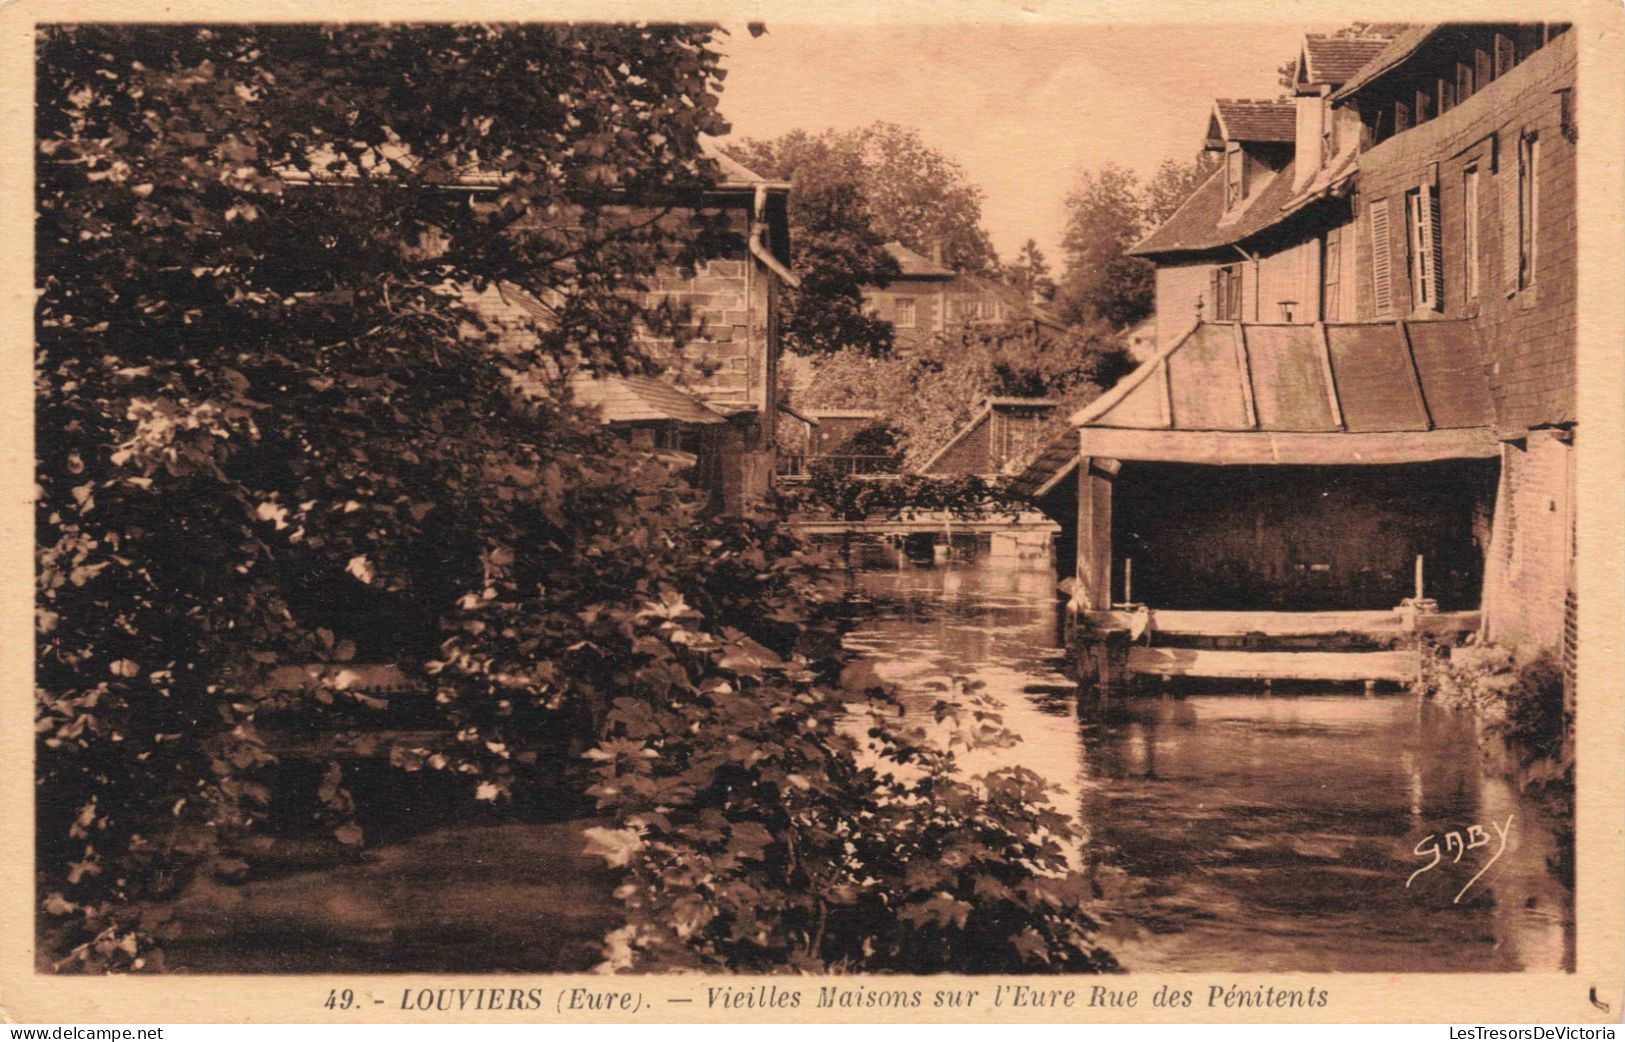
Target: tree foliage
[
  {"x": 1109, "y": 210},
  {"x": 855, "y": 191},
  {"x": 272, "y": 428}
]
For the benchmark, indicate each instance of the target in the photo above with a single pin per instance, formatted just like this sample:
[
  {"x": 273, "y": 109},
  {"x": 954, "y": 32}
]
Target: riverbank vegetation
[
  {"x": 272, "y": 430},
  {"x": 1521, "y": 703}
]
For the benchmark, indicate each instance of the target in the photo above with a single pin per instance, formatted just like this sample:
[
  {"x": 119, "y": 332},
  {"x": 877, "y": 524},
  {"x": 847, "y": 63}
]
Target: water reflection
[{"x": 1239, "y": 831}]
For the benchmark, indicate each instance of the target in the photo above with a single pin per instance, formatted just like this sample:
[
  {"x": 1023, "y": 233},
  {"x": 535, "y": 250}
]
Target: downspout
[
  {"x": 758, "y": 248},
  {"x": 1254, "y": 258}
]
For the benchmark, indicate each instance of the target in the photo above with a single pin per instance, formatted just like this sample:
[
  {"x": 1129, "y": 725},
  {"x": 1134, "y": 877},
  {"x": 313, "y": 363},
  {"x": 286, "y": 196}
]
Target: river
[{"x": 1233, "y": 831}]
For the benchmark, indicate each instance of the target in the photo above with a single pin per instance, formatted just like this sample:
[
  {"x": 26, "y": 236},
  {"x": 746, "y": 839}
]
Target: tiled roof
[
  {"x": 1201, "y": 224},
  {"x": 1397, "y": 50},
  {"x": 1335, "y": 59},
  {"x": 639, "y": 399},
  {"x": 1257, "y": 121},
  {"x": 1052, "y": 465},
  {"x": 915, "y": 266},
  {"x": 1362, "y": 378}
]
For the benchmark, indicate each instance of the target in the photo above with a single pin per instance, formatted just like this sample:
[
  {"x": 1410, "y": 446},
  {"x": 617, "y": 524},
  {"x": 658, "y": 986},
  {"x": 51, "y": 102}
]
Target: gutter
[{"x": 758, "y": 248}]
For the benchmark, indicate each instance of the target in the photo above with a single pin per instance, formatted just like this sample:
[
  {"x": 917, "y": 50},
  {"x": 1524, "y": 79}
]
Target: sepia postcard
[{"x": 979, "y": 512}]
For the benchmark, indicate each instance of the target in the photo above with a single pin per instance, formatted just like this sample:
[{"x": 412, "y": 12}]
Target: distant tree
[
  {"x": 1030, "y": 272},
  {"x": 1173, "y": 183},
  {"x": 1106, "y": 215},
  {"x": 835, "y": 247},
  {"x": 922, "y": 198}
]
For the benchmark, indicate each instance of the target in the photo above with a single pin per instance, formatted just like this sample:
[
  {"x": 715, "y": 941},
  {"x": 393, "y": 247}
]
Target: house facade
[
  {"x": 926, "y": 300},
  {"x": 716, "y": 401},
  {"x": 1362, "y": 396}
]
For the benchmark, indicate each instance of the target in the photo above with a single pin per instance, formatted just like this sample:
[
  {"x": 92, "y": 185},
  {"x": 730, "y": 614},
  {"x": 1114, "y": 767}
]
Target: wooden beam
[
  {"x": 1290, "y": 623},
  {"x": 1245, "y": 369},
  {"x": 1275, "y": 665},
  {"x": 1222, "y": 448},
  {"x": 1094, "y": 563}
]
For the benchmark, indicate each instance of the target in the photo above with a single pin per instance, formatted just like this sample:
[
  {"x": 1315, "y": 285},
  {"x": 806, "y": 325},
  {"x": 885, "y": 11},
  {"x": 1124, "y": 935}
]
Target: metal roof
[{"x": 1266, "y": 393}]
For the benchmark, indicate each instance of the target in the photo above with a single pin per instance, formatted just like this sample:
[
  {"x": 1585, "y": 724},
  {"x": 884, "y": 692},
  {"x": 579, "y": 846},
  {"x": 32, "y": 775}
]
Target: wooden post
[
  {"x": 1128, "y": 580},
  {"x": 1419, "y": 578},
  {"x": 1094, "y": 568}
]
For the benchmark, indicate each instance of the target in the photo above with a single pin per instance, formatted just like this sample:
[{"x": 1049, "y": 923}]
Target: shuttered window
[
  {"x": 1227, "y": 295},
  {"x": 1469, "y": 224},
  {"x": 903, "y": 314},
  {"x": 1235, "y": 176},
  {"x": 1382, "y": 288},
  {"x": 1331, "y": 276},
  {"x": 1506, "y": 204},
  {"x": 1422, "y": 246},
  {"x": 1528, "y": 207},
  {"x": 1464, "y": 82}
]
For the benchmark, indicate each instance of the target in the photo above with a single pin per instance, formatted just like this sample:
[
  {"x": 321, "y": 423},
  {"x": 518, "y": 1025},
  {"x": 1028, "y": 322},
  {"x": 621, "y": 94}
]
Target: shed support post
[{"x": 1094, "y": 567}]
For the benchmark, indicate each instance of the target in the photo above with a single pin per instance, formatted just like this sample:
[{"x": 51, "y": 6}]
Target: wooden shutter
[
  {"x": 1483, "y": 71},
  {"x": 1464, "y": 82},
  {"x": 1506, "y": 190},
  {"x": 1235, "y": 294},
  {"x": 1402, "y": 117},
  {"x": 1382, "y": 271},
  {"x": 1432, "y": 258},
  {"x": 1469, "y": 215}
]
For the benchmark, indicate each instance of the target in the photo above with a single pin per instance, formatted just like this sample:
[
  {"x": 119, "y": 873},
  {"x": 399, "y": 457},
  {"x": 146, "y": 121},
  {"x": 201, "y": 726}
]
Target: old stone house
[
  {"x": 1363, "y": 389},
  {"x": 927, "y": 300},
  {"x": 713, "y": 411}
]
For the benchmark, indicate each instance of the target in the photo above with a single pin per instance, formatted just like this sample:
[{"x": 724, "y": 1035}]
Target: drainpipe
[
  {"x": 758, "y": 248},
  {"x": 1254, "y": 258}
]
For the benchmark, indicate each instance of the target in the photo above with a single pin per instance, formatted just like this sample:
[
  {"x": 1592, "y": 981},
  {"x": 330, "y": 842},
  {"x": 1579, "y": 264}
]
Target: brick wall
[
  {"x": 968, "y": 455},
  {"x": 1529, "y": 575},
  {"x": 1530, "y": 334}
]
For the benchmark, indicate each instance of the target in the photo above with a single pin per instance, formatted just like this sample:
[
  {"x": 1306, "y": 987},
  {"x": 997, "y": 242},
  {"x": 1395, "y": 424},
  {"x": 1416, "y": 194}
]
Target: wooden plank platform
[
  {"x": 1274, "y": 665},
  {"x": 1290, "y": 623}
]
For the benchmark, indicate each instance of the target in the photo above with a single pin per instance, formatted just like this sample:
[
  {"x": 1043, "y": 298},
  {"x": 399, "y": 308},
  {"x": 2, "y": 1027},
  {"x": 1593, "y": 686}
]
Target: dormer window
[
  {"x": 1235, "y": 176},
  {"x": 1328, "y": 135}
]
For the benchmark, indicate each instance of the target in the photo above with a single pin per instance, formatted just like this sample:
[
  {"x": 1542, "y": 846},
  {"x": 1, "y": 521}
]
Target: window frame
[
  {"x": 902, "y": 306},
  {"x": 1471, "y": 241},
  {"x": 1235, "y": 175},
  {"x": 1528, "y": 208}
]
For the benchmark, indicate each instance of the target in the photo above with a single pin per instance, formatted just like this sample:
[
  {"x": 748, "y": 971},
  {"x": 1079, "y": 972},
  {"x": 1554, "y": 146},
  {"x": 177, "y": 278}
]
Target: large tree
[
  {"x": 272, "y": 429},
  {"x": 268, "y": 427},
  {"x": 1109, "y": 210},
  {"x": 854, "y": 192}
]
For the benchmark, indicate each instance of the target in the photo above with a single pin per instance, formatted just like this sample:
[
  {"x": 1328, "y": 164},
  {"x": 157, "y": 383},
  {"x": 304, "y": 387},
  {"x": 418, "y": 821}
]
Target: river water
[{"x": 1238, "y": 831}]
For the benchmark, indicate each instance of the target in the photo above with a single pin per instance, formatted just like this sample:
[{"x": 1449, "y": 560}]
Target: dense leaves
[
  {"x": 273, "y": 429},
  {"x": 1108, "y": 211},
  {"x": 270, "y": 427}
]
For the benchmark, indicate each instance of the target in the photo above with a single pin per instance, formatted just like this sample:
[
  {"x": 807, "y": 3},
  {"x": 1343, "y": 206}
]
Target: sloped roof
[
  {"x": 1386, "y": 392},
  {"x": 734, "y": 173},
  {"x": 1393, "y": 53},
  {"x": 913, "y": 265},
  {"x": 1201, "y": 222},
  {"x": 1059, "y": 458},
  {"x": 1240, "y": 119},
  {"x": 639, "y": 399},
  {"x": 1333, "y": 60}
]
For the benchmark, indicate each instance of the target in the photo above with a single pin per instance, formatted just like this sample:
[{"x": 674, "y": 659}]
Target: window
[
  {"x": 1422, "y": 246},
  {"x": 1382, "y": 289},
  {"x": 1235, "y": 176},
  {"x": 1227, "y": 293},
  {"x": 1331, "y": 275},
  {"x": 1528, "y": 207},
  {"x": 903, "y": 313},
  {"x": 1469, "y": 244},
  {"x": 1464, "y": 82}
]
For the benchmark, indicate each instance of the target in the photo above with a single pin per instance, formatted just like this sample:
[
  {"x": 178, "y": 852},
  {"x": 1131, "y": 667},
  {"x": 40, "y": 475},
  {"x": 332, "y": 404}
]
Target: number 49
[{"x": 337, "y": 999}]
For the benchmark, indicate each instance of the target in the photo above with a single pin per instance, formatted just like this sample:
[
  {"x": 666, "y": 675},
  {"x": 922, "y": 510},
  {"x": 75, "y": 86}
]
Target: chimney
[
  {"x": 1306, "y": 154},
  {"x": 936, "y": 252}
]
